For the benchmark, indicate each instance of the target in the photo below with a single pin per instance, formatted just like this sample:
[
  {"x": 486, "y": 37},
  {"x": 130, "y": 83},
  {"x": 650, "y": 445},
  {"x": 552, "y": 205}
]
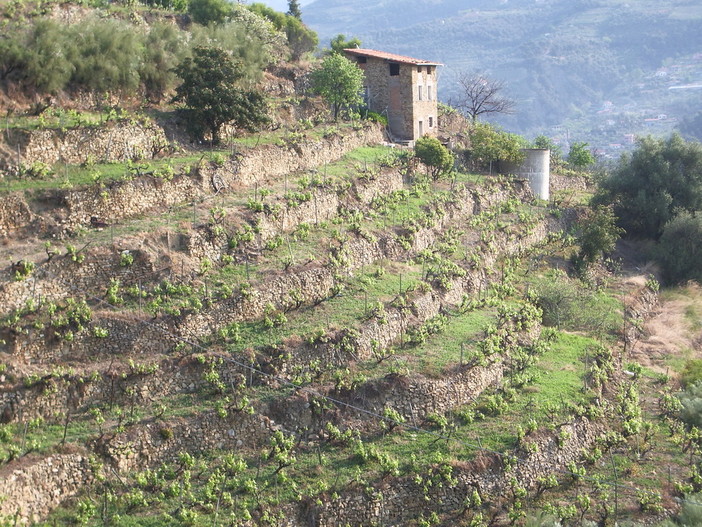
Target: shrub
[
  {"x": 692, "y": 373},
  {"x": 437, "y": 158},
  {"x": 680, "y": 248}
]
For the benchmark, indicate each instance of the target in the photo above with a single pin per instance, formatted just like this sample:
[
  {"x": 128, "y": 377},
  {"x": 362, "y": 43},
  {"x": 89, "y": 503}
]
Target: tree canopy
[
  {"x": 580, "y": 156},
  {"x": 301, "y": 39},
  {"x": 210, "y": 11},
  {"x": 102, "y": 55},
  {"x": 211, "y": 96},
  {"x": 488, "y": 144},
  {"x": 648, "y": 187},
  {"x": 339, "y": 81},
  {"x": 339, "y": 43}
]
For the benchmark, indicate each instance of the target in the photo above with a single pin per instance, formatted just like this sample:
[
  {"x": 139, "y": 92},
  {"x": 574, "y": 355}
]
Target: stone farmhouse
[{"x": 402, "y": 88}]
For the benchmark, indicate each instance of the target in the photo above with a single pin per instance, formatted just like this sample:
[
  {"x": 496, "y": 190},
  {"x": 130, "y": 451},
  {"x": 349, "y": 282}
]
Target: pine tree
[{"x": 294, "y": 9}]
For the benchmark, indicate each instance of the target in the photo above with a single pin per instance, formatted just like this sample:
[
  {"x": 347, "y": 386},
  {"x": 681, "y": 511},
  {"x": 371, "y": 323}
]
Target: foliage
[
  {"x": 565, "y": 304},
  {"x": 692, "y": 372},
  {"x": 210, "y": 94},
  {"x": 339, "y": 81},
  {"x": 111, "y": 55},
  {"x": 597, "y": 234},
  {"x": 580, "y": 156},
  {"x": 207, "y": 12},
  {"x": 294, "y": 9},
  {"x": 437, "y": 158},
  {"x": 488, "y": 143},
  {"x": 691, "y": 401},
  {"x": 680, "y": 248},
  {"x": 649, "y": 186},
  {"x": 164, "y": 48},
  {"x": 691, "y": 511},
  {"x": 339, "y": 43},
  {"x": 543, "y": 141},
  {"x": 479, "y": 95},
  {"x": 301, "y": 39}
]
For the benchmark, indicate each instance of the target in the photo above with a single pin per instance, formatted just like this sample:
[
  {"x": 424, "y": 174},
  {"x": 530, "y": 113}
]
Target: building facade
[{"x": 401, "y": 88}]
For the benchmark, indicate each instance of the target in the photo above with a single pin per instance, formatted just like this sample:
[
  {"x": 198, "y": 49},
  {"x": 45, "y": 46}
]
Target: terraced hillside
[
  {"x": 302, "y": 330},
  {"x": 300, "y": 327}
]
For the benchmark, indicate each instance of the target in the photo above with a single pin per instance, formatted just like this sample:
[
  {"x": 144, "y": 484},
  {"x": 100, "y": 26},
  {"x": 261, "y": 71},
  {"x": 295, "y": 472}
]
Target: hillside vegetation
[{"x": 304, "y": 325}]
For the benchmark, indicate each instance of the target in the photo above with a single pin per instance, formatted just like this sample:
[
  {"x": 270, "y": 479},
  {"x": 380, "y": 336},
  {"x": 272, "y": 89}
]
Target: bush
[
  {"x": 207, "y": 12},
  {"x": 437, "y": 158},
  {"x": 692, "y": 373},
  {"x": 377, "y": 118},
  {"x": 691, "y": 400},
  {"x": 680, "y": 249}
]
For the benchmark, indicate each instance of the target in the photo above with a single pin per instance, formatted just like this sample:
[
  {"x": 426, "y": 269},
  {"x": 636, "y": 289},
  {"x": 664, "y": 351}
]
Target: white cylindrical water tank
[{"x": 535, "y": 169}]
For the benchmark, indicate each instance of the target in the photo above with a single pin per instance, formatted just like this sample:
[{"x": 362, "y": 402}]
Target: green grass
[
  {"x": 344, "y": 311},
  {"x": 559, "y": 372},
  {"x": 444, "y": 349}
]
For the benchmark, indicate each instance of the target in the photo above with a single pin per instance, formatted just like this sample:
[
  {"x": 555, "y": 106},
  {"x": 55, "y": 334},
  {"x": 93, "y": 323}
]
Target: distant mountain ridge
[{"x": 559, "y": 58}]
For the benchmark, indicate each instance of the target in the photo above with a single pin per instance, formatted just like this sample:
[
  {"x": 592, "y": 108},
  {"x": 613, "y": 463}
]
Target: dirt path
[{"x": 675, "y": 332}]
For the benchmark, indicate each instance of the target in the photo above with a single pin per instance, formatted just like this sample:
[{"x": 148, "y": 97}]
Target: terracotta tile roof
[{"x": 390, "y": 57}]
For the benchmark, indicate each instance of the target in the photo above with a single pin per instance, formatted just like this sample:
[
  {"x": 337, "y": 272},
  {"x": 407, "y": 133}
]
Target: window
[
  {"x": 419, "y": 93},
  {"x": 429, "y": 94},
  {"x": 394, "y": 69},
  {"x": 419, "y": 69},
  {"x": 431, "y": 122},
  {"x": 362, "y": 60},
  {"x": 421, "y": 129}
]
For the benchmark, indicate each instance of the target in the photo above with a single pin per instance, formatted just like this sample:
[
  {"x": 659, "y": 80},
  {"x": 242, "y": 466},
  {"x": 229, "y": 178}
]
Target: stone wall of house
[
  {"x": 426, "y": 109},
  {"x": 376, "y": 82}
]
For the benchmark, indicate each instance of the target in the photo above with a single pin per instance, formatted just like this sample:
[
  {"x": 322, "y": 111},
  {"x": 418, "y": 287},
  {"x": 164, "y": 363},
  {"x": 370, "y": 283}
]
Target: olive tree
[{"x": 648, "y": 187}]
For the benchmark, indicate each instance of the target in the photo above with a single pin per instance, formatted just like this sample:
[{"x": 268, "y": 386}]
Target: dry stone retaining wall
[
  {"x": 38, "y": 486},
  {"x": 403, "y": 499},
  {"x": 145, "y": 445},
  {"x": 14, "y": 213},
  {"x": 120, "y": 141}
]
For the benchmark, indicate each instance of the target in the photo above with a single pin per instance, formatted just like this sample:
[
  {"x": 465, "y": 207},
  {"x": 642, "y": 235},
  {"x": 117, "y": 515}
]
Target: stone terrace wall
[
  {"x": 404, "y": 499},
  {"x": 559, "y": 183},
  {"x": 14, "y": 213},
  {"x": 131, "y": 198},
  {"x": 273, "y": 161},
  {"x": 145, "y": 445},
  {"x": 120, "y": 141},
  {"x": 36, "y": 487}
]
